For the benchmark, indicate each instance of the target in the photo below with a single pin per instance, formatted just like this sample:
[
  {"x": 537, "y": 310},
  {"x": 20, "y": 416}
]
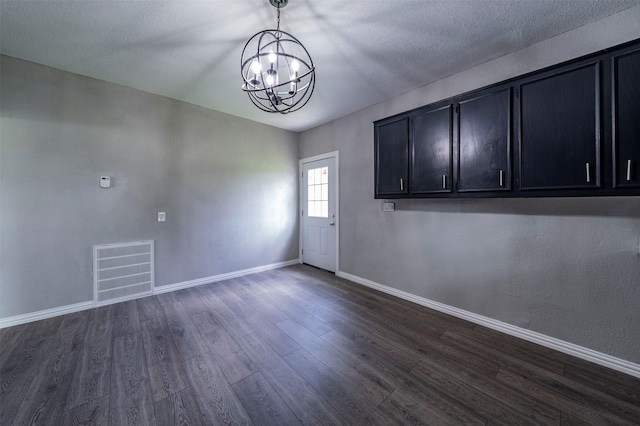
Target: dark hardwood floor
[{"x": 293, "y": 346}]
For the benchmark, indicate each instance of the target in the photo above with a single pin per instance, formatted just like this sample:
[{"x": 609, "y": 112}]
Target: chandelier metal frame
[{"x": 277, "y": 71}]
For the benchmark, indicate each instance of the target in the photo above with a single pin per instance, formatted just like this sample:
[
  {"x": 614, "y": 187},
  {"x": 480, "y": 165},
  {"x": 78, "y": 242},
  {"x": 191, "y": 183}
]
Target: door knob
[{"x": 332, "y": 223}]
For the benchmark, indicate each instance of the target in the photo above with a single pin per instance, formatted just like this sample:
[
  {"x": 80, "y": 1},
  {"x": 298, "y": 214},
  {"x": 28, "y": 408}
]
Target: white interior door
[{"x": 319, "y": 213}]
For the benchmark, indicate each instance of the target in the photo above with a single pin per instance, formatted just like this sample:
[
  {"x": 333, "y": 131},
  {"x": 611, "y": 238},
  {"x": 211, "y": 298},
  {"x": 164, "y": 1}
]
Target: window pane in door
[
  {"x": 318, "y": 192},
  {"x": 325, "y": 175}
]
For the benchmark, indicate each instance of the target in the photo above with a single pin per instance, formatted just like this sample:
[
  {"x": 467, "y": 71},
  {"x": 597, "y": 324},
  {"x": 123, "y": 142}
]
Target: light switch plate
[
  {"x": 162, "y": 217},
  {"x": 388, "y": 207}
]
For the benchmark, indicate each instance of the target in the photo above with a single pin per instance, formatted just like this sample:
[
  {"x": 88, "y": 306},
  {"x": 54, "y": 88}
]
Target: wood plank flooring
[{"x": 293, "y": 346}]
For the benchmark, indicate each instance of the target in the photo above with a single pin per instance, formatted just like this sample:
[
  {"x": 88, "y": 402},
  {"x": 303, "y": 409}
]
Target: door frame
[{"x": 301, "y": 162}]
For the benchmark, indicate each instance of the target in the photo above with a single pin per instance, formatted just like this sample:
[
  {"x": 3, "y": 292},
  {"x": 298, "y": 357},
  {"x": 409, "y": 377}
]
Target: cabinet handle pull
[
  {"x": 444, "y": 181},
  {"x": 588, "y": 172},
  {"x": 628, "y": 169},
  {"x": 501, "y": 178},
  {"x": 401, "y": 184}
]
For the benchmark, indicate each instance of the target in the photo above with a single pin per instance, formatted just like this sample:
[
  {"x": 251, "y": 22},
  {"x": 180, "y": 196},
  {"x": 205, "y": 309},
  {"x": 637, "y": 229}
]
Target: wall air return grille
[{"x": 122, "y": 271}]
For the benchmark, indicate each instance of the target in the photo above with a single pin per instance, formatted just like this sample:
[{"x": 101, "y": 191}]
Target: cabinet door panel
[
  {"x": 560, "y": 130},
  {"x": 627, "y": 120},
  {"x": 432, "y": 151},
  {"x": 485, "y": 141},
  {"x": 392, "y": 157}
]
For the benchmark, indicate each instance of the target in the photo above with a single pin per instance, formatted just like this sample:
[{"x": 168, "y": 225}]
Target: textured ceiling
[{"x": 365, "y": 50}]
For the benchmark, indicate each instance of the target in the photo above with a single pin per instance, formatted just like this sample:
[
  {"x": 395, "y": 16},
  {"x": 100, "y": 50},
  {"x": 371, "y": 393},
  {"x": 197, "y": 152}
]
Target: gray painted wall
[
  {"x": 565, "y": 267},
  {"x": 228, "y": 186}
]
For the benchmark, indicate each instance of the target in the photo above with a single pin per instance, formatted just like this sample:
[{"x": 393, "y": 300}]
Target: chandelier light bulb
[
  {"x": 272, "y": 57},
  {"x": 295, "y": 65},
  {"x": 270, "y": 80},
  {"x": 256, "y": 67}
]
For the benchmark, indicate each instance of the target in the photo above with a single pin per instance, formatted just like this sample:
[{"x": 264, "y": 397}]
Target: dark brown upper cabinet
[
  {"x": 432, "y": 151},
  {"x": 560, "y": 129},
  {"x": 571, "y": 130},
  {"x": 484, "y": 147},
  {"x": 392, "y": 157},
  {"x": 626, "y": 119}
]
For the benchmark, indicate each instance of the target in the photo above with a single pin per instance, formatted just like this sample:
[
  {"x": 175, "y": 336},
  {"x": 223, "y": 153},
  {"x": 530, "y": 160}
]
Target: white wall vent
[{"x": 122, "y": 271}]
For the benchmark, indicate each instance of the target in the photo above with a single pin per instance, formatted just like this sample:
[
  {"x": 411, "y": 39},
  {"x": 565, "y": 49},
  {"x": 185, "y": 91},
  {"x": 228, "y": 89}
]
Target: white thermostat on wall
[{"x": 105, "y": 181}]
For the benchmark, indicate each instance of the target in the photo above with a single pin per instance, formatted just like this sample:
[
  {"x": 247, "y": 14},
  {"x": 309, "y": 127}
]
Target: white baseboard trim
[
  {"x": 214, "y": 278},
  {"x": 47, "y": 313},
  {"x": 68, "y": 309},
  {"x": 532, "y": 336}
]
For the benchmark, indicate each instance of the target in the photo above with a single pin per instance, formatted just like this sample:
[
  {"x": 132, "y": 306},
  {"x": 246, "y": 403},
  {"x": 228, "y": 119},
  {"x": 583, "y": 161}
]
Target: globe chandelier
[{"x": 277, "y": 71}]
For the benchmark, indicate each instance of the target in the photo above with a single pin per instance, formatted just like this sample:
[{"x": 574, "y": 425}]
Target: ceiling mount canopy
[
  {"x": 277, "y": 71},
  {"x": 279, "y": 3}
]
